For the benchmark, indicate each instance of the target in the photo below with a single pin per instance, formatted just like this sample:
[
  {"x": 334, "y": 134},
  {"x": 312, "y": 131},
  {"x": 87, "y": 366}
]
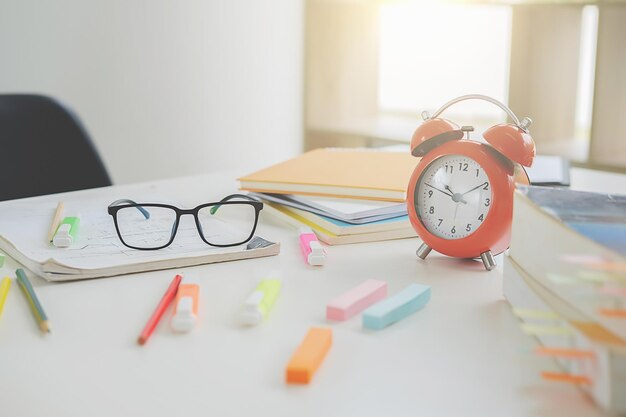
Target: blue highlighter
[{"x": 402, "y": 304}]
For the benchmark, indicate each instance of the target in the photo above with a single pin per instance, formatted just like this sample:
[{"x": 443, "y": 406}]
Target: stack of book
[
  {"x": 343, "y": 195},
  {"x": 568, "y": 257}
]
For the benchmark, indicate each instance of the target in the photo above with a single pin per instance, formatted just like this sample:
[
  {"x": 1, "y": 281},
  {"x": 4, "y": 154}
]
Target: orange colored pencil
[{"x": 168, "y": 297}]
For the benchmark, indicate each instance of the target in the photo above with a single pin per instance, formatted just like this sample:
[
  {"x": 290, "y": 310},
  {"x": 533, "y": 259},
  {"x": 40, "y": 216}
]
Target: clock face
[{"x": 453, "y": 197}]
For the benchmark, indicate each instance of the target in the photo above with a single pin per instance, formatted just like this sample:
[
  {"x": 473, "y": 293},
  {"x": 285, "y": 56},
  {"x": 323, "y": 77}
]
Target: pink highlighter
[{"x": 311, "y": 248}]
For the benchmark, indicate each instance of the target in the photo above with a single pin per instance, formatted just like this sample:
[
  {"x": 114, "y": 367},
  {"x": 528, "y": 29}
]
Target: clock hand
[
  {"x": 435, "y": 188},
  {"x": 455, "y": 196},
  {"x": 475, "y": 188}
]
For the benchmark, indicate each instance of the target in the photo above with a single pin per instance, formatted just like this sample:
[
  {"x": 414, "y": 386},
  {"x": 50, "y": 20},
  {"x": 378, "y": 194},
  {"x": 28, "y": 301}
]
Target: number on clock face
[{"x": 453, "y": 197}]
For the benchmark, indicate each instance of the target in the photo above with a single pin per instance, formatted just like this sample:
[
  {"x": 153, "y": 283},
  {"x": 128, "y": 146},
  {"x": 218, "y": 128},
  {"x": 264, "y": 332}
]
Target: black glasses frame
[{"x": 116, "y": 206}]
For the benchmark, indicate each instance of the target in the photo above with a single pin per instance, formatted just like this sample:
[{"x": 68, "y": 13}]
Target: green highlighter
[{"x": 66, "y": 232}]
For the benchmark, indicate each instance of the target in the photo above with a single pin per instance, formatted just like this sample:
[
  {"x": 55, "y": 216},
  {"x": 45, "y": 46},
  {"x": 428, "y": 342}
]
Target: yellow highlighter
[
  {"x": 259, "y": 303},
  {"x": 4, "y": 291}
]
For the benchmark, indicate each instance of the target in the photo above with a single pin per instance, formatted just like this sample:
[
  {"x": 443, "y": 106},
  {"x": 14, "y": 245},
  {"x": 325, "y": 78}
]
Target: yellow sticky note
[
  {"x": 532, "y": 329},
  {"x": 527, "y": 313}
]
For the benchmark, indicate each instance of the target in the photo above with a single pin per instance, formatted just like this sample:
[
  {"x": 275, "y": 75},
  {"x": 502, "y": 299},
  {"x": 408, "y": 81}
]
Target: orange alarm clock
[{"x": 460, "y": 196}]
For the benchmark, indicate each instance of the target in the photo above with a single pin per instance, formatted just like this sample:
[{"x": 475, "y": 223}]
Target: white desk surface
[{"x": 463, "y": 355}]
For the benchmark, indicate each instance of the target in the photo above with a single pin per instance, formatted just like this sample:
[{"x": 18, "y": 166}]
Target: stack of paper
[
  {"x": 344, "y": 195},
  {"x": 343, "y": 209},
  {"x": 568, "y": 255},
  {"x": 335, "y": 172}
]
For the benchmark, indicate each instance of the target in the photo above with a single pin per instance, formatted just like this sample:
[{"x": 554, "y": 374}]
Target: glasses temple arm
[
  {"x": 143, "y": 211},
  {"x": 230, "y": 197}
]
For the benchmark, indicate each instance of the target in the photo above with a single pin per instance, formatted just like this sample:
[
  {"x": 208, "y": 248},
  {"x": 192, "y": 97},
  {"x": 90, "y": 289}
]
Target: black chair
[{"x": 44, "y": 149}]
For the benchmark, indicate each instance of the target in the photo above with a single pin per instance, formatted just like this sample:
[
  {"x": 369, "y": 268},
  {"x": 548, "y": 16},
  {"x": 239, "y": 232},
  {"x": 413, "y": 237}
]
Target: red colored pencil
[{"x": 168, "y": 297}]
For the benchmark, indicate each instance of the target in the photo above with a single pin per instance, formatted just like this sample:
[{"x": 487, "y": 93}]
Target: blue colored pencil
[{"x": 35, "y": 305}]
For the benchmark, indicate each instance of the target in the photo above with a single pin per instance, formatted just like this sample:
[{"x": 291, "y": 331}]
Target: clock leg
[
  {"x": 423, "y": 251},
  {"x": 488, "y": 260}
]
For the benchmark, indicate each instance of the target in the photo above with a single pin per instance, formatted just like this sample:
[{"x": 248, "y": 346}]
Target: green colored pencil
[{"x": 35, "y": 305}]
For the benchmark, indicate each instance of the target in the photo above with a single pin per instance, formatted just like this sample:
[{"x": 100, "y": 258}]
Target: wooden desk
[{"x": 463, "y": 355}]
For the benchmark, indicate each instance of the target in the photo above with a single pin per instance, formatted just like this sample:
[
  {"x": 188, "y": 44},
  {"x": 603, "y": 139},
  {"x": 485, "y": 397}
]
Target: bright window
[{"x": 431, "y": 53}]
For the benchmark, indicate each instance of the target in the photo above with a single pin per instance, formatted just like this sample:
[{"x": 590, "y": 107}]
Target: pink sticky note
[
  {"x": 616, "y": 291},
  {"x": 356, "y": 300},
  {"x": 583, "y": 258},
  {"x": 609, "y": 266}
]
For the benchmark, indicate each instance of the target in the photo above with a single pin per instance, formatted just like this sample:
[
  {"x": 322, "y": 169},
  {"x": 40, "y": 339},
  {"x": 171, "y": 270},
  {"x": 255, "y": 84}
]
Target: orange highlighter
[
  {"x": 309, "y": 355},
  {"x": 186, "y": 308}
]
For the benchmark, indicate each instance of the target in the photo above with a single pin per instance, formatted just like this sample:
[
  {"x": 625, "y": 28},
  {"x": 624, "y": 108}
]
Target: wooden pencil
[{"x": 55, "y": 221}]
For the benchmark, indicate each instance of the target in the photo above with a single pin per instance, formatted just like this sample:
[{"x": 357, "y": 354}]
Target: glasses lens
[
  {"x": 147, "y": 227},
  {"x": 227, "y": 224}
]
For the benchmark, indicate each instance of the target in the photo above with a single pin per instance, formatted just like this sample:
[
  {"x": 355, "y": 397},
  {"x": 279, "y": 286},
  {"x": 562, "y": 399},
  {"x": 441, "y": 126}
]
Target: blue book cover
[{"x": 600, "y": 217}]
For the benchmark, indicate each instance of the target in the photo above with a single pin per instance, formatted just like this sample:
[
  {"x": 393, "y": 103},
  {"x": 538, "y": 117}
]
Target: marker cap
[
  {"x": 186, "y": 308},
  {"x": 66, "y": 232},
  {"x": 184, "y": 320}
]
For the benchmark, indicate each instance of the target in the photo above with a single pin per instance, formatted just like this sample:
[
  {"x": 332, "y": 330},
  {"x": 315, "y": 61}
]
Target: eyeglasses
[{"x": 153, "y": 226}]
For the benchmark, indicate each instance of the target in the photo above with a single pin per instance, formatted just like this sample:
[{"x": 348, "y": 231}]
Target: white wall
[{"x": 166, "y": 88}]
